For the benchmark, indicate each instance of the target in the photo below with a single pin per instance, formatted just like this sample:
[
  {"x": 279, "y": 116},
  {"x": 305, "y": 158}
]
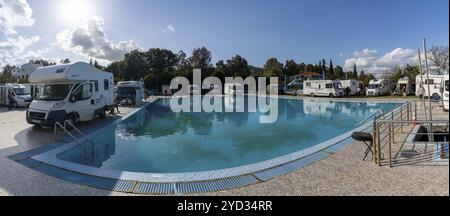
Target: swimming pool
[{"x": 157, "y": 140}]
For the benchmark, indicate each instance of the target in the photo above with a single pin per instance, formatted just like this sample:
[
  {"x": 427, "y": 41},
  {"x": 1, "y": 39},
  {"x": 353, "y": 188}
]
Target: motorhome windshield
[
  {"x": 447, "y": 85},
  {"x": 373, "y": 86},
  {"x": 337, "y": 85},
  {"x": 20, "y": 91},
  {"x": 54, "y": 92},
  {"x": 126, "y": 90}
]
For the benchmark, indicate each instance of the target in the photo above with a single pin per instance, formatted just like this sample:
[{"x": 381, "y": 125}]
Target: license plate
[{"x": 36, "y": 121}]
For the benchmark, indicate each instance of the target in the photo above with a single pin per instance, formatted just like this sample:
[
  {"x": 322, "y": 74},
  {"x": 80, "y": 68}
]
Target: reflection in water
[{"x": 159, "y": 140}]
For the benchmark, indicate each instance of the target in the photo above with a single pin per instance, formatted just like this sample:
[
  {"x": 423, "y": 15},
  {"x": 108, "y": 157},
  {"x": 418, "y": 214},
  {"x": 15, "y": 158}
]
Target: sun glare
[{"x": 75, "y": 11}]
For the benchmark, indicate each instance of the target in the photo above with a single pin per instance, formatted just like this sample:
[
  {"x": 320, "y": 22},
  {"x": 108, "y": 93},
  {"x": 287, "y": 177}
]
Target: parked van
[
  {"x": 74, "y": 92},
  {"x": 22, "y": 97},
  {"x": 378, "y": 87},
  {"x": 328, "y": 88},
  {"x": 130, "y": 92},
  {"x": 356, "y": 87},
  {"x": 434, "y": 81},
  {"x": 446, "y": 87}
]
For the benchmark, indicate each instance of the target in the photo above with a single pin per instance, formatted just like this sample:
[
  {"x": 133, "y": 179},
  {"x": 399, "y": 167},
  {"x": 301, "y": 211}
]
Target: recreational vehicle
[
  {"x": 130, "y": 92},
  {"x": 446, "y": 87},
  {"x": 404, "y": 86},
  {"x": 22, "y": 97},
  {"x": 328, "y": 88},
  {"x": 379, "y": 87},
  {"x": 433, "y": 81},
  {"x": 74, "y": 92},
  {"x": 355, "y": 87}
]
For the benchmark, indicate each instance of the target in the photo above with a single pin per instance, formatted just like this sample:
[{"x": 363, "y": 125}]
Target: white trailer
[
  {"x": 327, "y": 88},
  {"x": 445, "y": 93},
  {"x": 130, "y": 92},
  {"x": 22, "y": 97},
  {"x": 356, "y": 87},
  {"x": 379, "y": 87},
  {"x": 74, "y": 92},
  {"x": 434, "y": 81}
]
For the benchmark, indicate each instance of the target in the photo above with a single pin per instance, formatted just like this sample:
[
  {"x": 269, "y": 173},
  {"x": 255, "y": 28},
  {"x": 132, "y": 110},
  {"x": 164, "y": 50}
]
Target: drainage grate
[
  {"x": 154, "y": 188},
  {"x": 215, "y": 185}
]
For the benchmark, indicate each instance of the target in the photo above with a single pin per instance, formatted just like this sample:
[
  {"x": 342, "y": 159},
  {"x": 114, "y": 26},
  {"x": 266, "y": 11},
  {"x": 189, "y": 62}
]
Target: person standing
[{"x": 11, "y": 100}]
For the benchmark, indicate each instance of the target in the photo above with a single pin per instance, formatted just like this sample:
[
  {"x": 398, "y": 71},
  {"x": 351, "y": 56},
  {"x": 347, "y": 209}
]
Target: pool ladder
[{"x": 64, "y": 128}]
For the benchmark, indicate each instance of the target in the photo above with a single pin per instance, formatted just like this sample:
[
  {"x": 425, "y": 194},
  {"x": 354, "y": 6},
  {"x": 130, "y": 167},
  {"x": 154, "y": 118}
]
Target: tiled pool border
[{"x": 44, "y": 160}]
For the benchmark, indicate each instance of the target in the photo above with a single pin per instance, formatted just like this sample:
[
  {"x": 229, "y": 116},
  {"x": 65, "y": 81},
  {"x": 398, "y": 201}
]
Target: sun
[{"x": 76, "y": 11}]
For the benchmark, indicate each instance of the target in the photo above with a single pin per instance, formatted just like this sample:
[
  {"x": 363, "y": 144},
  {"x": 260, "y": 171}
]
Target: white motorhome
[
  {"x": 434, "y": 81},
  {"x": 378, "y": 87},
  {"x": 130, "y": 92},
  {"x": 445, "y": 93},
  {"x": 73, "y": 92},
  {"x": 405, "y": 85},
  {"x": 356, "y": 87},
  {"x": 22, "y": 97},
  {"x": 328, "y": 88}
]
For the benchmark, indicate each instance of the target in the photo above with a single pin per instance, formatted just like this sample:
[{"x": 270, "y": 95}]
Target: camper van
[
  {"x": 434, "y": 81},
  {"x": 22, "y": 97},
  {"x": 356, "y": 87},
  {"x": 74, "y": 92},
  {"x": 446, "y": 87},
  {"x": 327, "y": 88},
  {"x": 379, "y": 87},
  {"x": 130, "y": 92},
  {"x": 404, "y": 84}
]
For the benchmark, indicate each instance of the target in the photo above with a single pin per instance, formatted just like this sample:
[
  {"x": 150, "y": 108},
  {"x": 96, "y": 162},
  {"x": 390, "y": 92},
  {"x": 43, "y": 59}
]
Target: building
[{"x": 25, "y": 70}]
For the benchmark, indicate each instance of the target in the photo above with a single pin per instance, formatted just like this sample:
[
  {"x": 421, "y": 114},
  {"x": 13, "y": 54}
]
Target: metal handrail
[
  {"x": 67, "y": 122},
  {"x": 64, "y": 128},
  {"x": 57, "y": 124},
  {"x": 368, "y": 118}
]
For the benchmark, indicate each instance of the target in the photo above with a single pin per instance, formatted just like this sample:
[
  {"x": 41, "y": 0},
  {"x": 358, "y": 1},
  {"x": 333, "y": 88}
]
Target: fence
[{"x": 410, "y": 135}]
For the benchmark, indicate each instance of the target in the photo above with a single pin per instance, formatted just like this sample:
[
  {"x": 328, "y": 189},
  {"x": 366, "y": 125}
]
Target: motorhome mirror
[{"x": 72, "y": 99}]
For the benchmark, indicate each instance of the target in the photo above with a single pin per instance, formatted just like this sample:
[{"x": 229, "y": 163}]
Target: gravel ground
[{"x": 343, "y": 173}]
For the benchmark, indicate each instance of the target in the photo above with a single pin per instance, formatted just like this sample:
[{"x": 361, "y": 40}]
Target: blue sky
[{"x": 372, "y": 34}]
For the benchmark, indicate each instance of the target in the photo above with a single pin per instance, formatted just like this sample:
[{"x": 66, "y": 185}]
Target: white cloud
[
  {"x": 15, "y": 50},
  {"x": 169, "y": 28},
  {"x": 14, "y": 13},
  {"x": 369, "y": 60},
  {"x": 91, "y": 41}
]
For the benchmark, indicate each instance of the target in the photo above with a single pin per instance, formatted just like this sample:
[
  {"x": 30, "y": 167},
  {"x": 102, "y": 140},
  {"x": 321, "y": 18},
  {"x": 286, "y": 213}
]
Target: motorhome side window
[
  {"x": 308, "y": 84},
  {"x": 328, "y": 85},
  {"x": 82, "y": 93},
  {"x": 96, "y": 85},
  {"x": 106, "y": 84},
  {"x": 430, "y": 81}
]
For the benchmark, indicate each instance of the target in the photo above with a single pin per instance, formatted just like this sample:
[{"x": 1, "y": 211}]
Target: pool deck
[{"x": 340, "y": 173}]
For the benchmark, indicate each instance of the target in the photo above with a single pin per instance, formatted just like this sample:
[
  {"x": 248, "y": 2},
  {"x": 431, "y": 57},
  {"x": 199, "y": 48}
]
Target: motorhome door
[{"x": 81, "y": 101}]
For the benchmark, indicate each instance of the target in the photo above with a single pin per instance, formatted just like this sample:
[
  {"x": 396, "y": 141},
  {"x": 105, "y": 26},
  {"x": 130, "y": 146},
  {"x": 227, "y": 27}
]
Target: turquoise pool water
[{"x": 157, "y": 140}]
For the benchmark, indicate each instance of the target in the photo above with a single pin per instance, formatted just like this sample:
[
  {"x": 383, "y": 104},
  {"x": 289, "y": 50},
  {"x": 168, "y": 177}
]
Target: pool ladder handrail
[
  {"x": 64, "y": 128},
  {"x": 368, "y": 118}
]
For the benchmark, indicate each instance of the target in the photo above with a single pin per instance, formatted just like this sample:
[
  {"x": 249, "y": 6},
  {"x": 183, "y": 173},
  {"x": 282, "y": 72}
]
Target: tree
[
  {"x": 331, "y": 74},
  {"x": 309, "y": 68},
  {"x": 201, "y": 58},
  {"x": 291, "y": 68},
  {"x": 115, "y": 68},
  {"x": 42, "y": 62},
  {"x": 98, "y": 66},
  {"x": 7, "y": 74},
  {"x": 355, "y": 72},
  {"x": 237, "y": 67},
  {"x": 324, "y": 66},
  {"x": 339, "y": 72},
  {"x": 273, "y": 68},
  {"x": 302, "y": 67},
  {"x": 439, "y": 57},
  {"x": 65, "y": 61}
]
